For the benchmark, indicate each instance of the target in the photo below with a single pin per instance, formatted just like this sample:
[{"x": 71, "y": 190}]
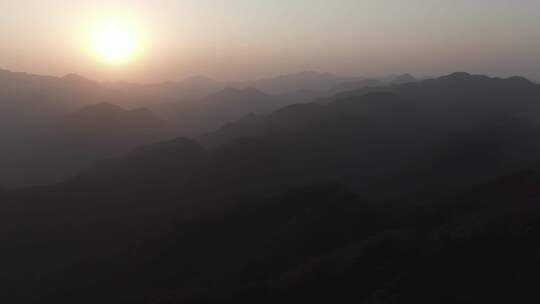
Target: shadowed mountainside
[
  {"x": 458, "y": 101},
  {"x": 374, "y": 197},
  {"x": 58, "y": 150},
  {"x": 215, "y": 110}
]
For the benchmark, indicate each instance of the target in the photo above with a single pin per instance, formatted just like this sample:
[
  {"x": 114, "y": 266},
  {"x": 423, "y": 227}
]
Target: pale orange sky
[{"x": 242, "y": 39}]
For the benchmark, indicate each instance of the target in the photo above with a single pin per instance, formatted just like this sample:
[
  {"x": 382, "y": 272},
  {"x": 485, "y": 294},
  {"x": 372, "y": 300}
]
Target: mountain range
[
  {"x": 37, "y": 114},
  {"x": 421, "y": 191},
  {"x": 53, "y": 152}
]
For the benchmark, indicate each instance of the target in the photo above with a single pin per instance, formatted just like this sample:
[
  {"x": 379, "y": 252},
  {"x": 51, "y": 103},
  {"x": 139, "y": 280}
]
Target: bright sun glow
[{"x": 116, "y": 43}]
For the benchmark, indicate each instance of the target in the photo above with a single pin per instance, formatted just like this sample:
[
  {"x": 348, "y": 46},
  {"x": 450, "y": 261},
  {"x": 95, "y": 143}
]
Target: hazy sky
[{"x": 240, "y": 39}]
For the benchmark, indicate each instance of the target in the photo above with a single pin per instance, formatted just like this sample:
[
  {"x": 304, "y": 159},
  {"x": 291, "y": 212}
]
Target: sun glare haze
[{"x": 115, "y": 42}]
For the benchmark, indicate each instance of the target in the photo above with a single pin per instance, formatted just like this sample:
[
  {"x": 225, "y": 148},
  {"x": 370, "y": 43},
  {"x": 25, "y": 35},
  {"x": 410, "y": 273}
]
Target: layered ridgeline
[
  {"x": 213, "y": 111},
  {"x": 52, "y": 127},
  {"x": 197, "y": 116},
  {"x": 415, "y": 192},
  {"x": 407, "y": 134},
  {"x": 57, "y": 150},
  {"x": 33, "y": 108},
  {"x": 27, "y": 100}
]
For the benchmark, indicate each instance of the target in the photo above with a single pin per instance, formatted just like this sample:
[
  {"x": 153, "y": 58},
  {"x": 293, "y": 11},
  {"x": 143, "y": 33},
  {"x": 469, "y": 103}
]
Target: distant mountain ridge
[
  {"x": 230, "y": 104},
  {"x": 405, "y": 78},
  {"x": 245, "y": 112},
  {"x": 309, "y": 80},
  {"x": 189, "y": 107},
  {"x": 59, "y": 150},
  {"x": 459, "y": 107},
  {"x": 394, "y": 131}
]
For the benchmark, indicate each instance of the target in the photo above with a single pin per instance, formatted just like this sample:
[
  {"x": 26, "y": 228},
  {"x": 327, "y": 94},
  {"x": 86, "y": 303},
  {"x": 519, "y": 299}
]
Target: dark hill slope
[{"x": 477, "y": 246}]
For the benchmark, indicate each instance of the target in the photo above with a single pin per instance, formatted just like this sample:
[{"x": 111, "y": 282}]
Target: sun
[{"x": 114, "y": 42}]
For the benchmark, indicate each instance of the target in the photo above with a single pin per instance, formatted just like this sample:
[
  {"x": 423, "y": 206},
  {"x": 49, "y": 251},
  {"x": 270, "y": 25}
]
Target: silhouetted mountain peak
[
  {"x": 482, "y": 82},
  {"x": 313, "y": 74},
  {"x": 355, "y": 85},
  {"x": 458, "y": 76},
  {"x": 405, "y": 78},
  {"x": 107, "y": 115},
  {"x": 240, "y": 94},
  {"x": 5, "y": 72},
  {"x": 520, "y": 80},
  {"x": 75, "y": 78}
]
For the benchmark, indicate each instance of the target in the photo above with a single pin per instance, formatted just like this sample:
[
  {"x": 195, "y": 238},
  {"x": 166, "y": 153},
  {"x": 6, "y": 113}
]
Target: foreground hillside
[{"x": 318, "y": 243}]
